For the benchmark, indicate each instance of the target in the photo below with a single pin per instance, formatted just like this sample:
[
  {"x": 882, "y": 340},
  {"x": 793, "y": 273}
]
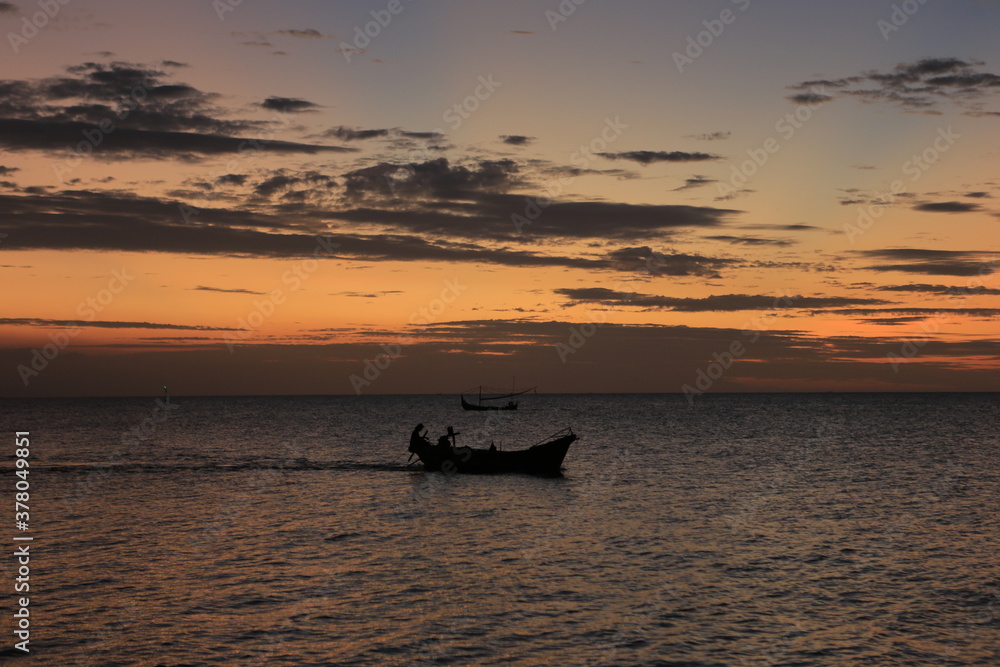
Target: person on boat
[
  {"x": 417, "y": 438},
  {"x": 447, "y": 441}
]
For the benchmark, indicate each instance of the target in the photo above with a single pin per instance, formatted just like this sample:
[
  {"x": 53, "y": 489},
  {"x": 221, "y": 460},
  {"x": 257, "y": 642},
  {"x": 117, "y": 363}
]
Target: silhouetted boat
[
  {"x": 544, "y": 458},
  {"x": 480, "y": 405}
]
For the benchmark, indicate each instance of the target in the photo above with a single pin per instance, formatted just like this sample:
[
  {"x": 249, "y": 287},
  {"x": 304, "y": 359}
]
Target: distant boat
[
  {"x": 492, "y": 395},
  {"x": 544, "y": 458}
]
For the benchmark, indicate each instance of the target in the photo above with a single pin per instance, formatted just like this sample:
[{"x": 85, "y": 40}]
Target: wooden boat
[
  {"x": 498, "y": 395},
  {"x": 544, "y": 458}
]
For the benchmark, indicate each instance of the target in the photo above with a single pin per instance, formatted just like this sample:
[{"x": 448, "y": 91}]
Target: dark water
[{"x": 745, "y": 530}]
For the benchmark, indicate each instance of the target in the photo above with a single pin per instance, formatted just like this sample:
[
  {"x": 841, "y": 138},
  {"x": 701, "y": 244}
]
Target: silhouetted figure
[
  {"x": 417, "y": 438},
  {"x": 493, "y": 447}
]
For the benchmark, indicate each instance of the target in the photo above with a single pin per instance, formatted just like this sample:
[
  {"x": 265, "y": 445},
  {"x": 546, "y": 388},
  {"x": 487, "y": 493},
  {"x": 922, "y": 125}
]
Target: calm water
[{"x": 746, "y": 530}]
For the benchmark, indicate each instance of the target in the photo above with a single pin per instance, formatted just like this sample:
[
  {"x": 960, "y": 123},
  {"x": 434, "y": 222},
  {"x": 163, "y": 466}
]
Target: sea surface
[{"x": 769, "y": 529}]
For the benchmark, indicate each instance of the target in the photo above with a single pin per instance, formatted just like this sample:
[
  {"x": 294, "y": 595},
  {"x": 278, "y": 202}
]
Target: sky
[{"x": 398, "y": 196}]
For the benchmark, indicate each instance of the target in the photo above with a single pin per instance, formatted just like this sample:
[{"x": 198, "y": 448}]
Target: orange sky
[{"x": 273, "y": 206}]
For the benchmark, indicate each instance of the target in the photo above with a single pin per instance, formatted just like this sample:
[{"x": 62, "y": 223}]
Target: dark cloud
[
  {"x": 711, "y": 136},
  {"x": 961, "y": 263},
  {"x": 809, "y": 98},
  {"x": 978, "y": 195},
  {"x": 232, "y": 179},
  {"x": 350, "y": 134},
  {"x": 921, "y": 85},
  {"x": 368, "y": 295},
  {"x": 920, "y": 312},
  {"x": 645, "y": 260},
  {"x": 8, "y": 8},
  {"x": 473, "y": 200},
  {"x": 289, "y": 105},
  {"x": 462, "y": 352},
  {"x": 173, "y": 63},
  {"x": 285, "y": 181},
  {"x": 122, "y": 110},
  {"x": 650, "y": 157},
  {"x": 98, "y": 324},
  {"x": 516, "y": 139},
  {"x": 720, "y": 303},
  {"x": 202, "y": 288},
  {"x": 923, "y": 288},
  {"x": 695, "y": 182},
  {"x": 960, "y": 269},
  {"x": 750, "y": 240},
  {"x": 81, "y": 220},
  {"x": 124, "y": 142},
  {"x": 308, "y": 33},
  {"x": 7, "y": 171},
  {"x": 947, "y": 207},
  {"x": 432, "y": 179}
]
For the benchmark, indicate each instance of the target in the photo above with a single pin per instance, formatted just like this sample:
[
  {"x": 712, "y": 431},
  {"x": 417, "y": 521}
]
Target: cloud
[
  {"x": 289, "y": 105},
  {"x": 308, "y": 33},
  {"x": 695, "y": 182},
  {"x": 8, "y": 8},
  {"x": 947, "y": 207},
  {"x": 921, "y": 85},
  {"x": 810, "y": 98},
  {"x": 924, "y": 288},
  {"x": 649, "y": 157},
  {"x": 711, "y": 136},
  {"x": 921, "y": 312},
  {"x": 123, "y": 110},
  {"x": 750, "y": 240},
  {"x": 285, "y": 181},
  {"x": 368, "y": 295},
  {"x": 959, "y": 263},
  {"x": 202, "y": 288},
  {"x": 124, "y": 142},
  {"x": 720, "y": 303},
  {"x": 83, "y": 220},
  {"x": 473, "y": 200},
  {"x": 232, "y": 179},
  {"x": 516, "y": 139},
  {"x": 99, "y": 324},
  {"x": 645, "y": 260},
  {"x": 978, "y": 195},
  {"x": 350, "y": 134},
  {"x": 7, "y": 171}
]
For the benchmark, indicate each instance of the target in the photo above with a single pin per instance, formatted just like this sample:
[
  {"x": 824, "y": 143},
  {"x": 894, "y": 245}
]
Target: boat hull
[
  {"x": 473, "y": 406},
  {"x": 544, "y": 459}
]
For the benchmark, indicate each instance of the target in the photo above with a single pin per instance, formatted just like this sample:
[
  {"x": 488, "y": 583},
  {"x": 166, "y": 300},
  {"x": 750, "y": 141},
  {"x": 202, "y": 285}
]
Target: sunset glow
[{"x": 264, "y": 198}]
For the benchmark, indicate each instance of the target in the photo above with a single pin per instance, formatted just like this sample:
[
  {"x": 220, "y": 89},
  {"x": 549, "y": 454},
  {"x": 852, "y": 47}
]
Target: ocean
[{"x": 764, "y": 529}]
